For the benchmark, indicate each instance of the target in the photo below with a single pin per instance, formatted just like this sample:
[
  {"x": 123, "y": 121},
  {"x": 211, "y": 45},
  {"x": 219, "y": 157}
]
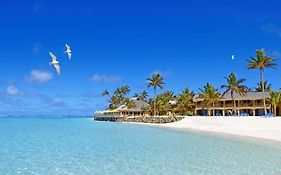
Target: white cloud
[
  {"x": 105, "y": 78},
  {"x": 39, "y": 76},
  {"x": 12, "y": 90},
  {"x": 166, "y": 73},
  {"x": 272, "y": 29},
  {"x": 57, "y": 102}
]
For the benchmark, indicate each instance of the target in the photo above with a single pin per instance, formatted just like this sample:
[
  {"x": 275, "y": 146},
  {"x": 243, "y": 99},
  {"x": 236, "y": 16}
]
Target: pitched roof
[
  {"x": 247, "y": 96},
  {"x": 139, "y": 104}
]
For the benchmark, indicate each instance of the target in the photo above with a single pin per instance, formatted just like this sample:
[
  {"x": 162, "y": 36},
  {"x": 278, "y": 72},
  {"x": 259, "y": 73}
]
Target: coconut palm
[
  {"x": 163, "y": 102},
  {"x": 143, "y": 95},
  {"x": 155, "y": 81},
  {"x": 274, "y": 100},
  {"x": 210, "y": 96},
  {"x": 261, "y": 62},
  {"x": 236, "y": 86},
  {"x": 267, "y": 87},
  {"x": 184, "y": 101},
  {"x": 118, "y": 97}
]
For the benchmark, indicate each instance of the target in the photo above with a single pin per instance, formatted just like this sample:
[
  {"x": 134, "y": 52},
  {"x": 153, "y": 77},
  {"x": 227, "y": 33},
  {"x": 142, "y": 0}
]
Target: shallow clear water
[{"x": 80, "y": 146}]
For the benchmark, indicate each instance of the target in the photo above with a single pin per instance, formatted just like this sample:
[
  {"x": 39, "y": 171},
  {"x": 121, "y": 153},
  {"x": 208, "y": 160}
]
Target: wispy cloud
[
  {"x": 272, "y": 29},
  {"x": 166, "y": 73},
  {"x": 13, "y": 91},
  {"x": 39, "y": 76},
  {"x": 105, "y": 78},
  {"x": 36, "y": 47},
  {"x": 57, "y": 102}
]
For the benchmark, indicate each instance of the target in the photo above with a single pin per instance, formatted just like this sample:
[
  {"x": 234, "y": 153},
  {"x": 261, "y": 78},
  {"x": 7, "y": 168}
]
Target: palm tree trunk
[
  {"x": 213, "y": 109},
  {"x": 275, "y": 108},
  {"x": 154, "y": 101},
  {"x": 234, "y": 104},
  {"x": 262, "y": 86}
]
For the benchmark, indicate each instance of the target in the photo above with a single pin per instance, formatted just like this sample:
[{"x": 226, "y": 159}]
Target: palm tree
[
  {"x": 143, "y": 95},
  {"x": 210, "y": 95},
  {"x": 267, "y": 87},
  {"x": 163, "y": 101},
  {"x": 261, "y": 62},
  {"x": 274, "y": 100},
  {"x": 185, "y": 101},
  {"x": 234, "y": 85},
  {"x": 155, "y": 81}
]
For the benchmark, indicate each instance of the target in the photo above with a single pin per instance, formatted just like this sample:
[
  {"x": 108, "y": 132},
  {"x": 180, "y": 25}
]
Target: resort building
[
  {"x": 138, "y": 108},
  {"x": 249, "y": 104}
]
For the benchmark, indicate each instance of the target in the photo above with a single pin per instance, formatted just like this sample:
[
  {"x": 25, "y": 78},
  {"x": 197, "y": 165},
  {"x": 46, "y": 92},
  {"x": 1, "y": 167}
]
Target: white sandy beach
[{"x": 257, "y": 127}]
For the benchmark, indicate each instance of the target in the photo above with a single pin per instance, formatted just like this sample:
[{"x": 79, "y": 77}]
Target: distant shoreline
[{"x": 255, "y": 127}]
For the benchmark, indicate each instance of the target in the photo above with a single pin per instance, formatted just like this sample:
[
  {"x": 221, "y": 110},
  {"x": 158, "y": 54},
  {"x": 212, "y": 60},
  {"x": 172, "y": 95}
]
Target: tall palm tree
[
  {"x": 236, "y": 86},
  {"x": 274, "y": 100},
  {"x": 210, "y": 95},
  {"x": 261, "y": 62},
  {"x": 267, "y": 87},
  {"x": 155, "y": 81}
]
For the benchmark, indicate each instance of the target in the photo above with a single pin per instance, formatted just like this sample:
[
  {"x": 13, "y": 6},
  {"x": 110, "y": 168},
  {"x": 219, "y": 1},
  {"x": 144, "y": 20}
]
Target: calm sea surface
[{"x": 80, "y": 146}]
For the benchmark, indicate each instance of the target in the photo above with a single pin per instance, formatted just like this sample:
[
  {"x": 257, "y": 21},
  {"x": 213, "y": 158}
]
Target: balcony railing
[{"x": 258, "y": 105}]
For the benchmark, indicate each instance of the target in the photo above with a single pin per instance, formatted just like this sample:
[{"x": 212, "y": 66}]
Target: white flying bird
[
  {"x": 68, "y": 51},
  {"x": 233, "y": 57},
  {"x": 55, "y": 62}
]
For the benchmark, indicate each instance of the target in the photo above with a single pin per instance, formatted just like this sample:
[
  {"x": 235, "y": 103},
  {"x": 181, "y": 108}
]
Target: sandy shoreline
[{"x": 255, "y": 127}]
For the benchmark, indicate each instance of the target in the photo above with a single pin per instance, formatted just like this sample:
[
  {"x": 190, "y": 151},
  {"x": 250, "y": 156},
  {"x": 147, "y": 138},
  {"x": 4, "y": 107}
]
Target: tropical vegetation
[
  {"x": 183, "y": 103},
  {"x": 261, "y": 62},
  {"x": 234, "y": 86}
]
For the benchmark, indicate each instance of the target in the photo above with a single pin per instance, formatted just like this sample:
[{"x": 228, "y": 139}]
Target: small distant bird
[
  {"x": 68, "y": 51},
  {"x": 232, "y": 57},
  {"x": 55, "y": 62}
]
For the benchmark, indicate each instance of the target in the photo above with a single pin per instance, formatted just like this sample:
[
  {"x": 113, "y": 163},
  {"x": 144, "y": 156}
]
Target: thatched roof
[
  {"x": 139, "y": 104},
  {"x": 247, "y": 96}
]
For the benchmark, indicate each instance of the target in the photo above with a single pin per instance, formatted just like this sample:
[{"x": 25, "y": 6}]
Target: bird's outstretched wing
[
  {"x": 53, "y": 56},
  {"x": 57, "y": 68},
  {"x": 67, "y": 47}
]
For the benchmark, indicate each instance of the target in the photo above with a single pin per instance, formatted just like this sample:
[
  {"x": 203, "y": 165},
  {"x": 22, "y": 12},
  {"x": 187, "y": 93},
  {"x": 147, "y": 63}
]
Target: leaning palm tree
[
  {"x": 274, "y": 100},
  {"x": 234, "y": 85},
  {"x": 155, "y": 81},
  {"x": 261, "y": 62},
  {"x": 210, "y": 96}
]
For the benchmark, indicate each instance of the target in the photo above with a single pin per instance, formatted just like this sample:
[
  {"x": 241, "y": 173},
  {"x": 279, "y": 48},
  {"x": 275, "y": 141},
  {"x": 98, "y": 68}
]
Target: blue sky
[{"x": 123, "y": 42}]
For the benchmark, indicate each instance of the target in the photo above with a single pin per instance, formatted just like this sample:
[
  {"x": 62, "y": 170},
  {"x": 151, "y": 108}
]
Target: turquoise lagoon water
[{"x": 80, "y": 146}]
